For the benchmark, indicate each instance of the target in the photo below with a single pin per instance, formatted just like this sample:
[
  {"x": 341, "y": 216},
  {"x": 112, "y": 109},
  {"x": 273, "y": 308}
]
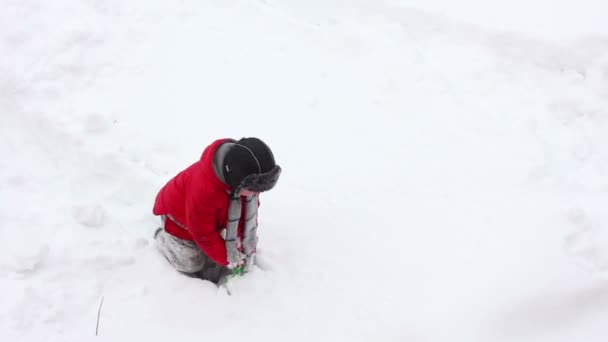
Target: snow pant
[{"x": 186, "y": 257}]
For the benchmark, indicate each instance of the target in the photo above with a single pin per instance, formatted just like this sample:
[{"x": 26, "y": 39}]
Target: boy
[{"x": 209, "y": 210}]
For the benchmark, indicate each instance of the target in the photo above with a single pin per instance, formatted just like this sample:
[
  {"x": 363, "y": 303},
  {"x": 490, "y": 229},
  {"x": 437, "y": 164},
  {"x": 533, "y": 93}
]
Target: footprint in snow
[
  {"x": 92, "y": 216},
  {"x": 585, "y": 243},
  {"x": 26, "y": 264}
]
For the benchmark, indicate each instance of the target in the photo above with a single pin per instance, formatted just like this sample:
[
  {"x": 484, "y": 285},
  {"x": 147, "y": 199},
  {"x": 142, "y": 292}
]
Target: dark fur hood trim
[{"x": 261, "y": 182}]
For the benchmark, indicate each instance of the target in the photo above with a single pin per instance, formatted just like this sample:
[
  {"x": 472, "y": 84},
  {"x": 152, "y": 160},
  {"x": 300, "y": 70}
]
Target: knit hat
[{"x": 250, "y": 164}]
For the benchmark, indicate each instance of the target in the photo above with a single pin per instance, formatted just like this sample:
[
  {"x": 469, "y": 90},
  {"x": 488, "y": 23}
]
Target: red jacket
[{"x": 198, "y": 200}]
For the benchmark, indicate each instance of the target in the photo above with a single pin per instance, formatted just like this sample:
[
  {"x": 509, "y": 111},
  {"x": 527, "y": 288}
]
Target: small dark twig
[{"x": 98, "y": 314}]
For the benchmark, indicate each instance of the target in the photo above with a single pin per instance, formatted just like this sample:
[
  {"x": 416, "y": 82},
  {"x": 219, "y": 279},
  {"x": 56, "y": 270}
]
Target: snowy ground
[{"x": 445, "y": 167}]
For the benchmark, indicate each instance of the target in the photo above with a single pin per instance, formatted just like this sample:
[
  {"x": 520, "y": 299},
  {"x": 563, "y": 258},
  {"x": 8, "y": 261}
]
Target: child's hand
[{"x": 240, "y": 263}]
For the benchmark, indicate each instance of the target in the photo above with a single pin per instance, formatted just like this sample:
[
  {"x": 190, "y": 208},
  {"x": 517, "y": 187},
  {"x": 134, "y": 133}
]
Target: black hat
[{"x": 249, "y": 164}]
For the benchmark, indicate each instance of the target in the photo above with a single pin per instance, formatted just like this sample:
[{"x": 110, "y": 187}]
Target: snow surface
[{"x": 445, "y": 167}]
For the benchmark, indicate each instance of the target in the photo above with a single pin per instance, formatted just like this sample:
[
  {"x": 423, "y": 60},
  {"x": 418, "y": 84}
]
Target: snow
[
  {"x": 555, "y": 20},
  {"x": 445, "y": 167}
]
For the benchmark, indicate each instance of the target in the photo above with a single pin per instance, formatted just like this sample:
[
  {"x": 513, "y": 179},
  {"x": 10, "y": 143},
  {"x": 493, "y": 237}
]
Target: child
[{"x": 209, "y": 210}]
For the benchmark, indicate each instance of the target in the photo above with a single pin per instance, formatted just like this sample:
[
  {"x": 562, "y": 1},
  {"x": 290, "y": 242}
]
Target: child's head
[{"x": 250, "y": 165}]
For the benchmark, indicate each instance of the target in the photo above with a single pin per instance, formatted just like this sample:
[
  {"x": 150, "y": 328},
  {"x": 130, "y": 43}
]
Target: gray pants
[{"x": 186, "y": 257}]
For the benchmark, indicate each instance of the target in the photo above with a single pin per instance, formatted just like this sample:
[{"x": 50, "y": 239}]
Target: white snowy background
[{"x": 445, "y": 167}]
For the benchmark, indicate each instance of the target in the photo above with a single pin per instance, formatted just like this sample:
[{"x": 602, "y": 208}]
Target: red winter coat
[{"x": 198, "y": 200}]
